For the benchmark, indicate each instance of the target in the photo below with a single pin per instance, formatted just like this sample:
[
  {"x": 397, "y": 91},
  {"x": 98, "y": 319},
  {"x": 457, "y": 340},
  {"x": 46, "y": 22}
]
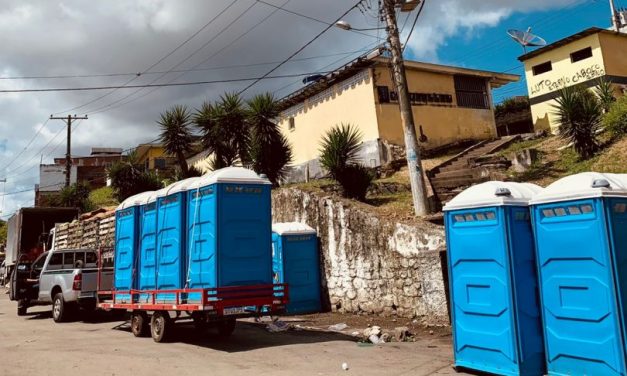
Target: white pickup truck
[{"x": 65, "y": 279}]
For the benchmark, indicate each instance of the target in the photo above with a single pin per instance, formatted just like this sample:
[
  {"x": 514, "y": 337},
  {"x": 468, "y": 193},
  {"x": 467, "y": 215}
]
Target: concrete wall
[
  {"x": 370, "y": 264},
  {"x": 614, "y": 48},
  {"x": 349, "y": 102},
  {"x": 441, "y": 123}
]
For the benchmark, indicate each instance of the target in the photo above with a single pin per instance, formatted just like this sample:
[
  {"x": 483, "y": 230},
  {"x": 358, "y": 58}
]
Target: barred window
[{"x": 471, "y": 92}]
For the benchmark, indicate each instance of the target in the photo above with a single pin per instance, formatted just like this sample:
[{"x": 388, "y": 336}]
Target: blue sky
[{"x": 491, "y": 48}]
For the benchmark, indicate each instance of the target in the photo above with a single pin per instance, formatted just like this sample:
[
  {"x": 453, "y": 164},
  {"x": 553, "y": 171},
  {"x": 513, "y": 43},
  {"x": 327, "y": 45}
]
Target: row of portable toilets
[
  {"x": 209, "y": 232},
  {"x": 539, "y": 276}
]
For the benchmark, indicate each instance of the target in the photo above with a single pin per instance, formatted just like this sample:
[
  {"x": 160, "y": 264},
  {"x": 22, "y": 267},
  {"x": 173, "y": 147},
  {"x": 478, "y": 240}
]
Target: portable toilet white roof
[
  {"x": 179, "y": 186},
  {"x": 238, "y": 175},
  {"x": 292, "y": 228},
  {"x": 493, "y": 193},
  {"x": 136, "y": 200},
  {"x": 583, "y": 185}
]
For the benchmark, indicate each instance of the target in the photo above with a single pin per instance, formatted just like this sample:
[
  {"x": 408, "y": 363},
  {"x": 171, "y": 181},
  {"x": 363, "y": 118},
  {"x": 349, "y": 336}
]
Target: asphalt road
[{"x": 35, "y": 345}]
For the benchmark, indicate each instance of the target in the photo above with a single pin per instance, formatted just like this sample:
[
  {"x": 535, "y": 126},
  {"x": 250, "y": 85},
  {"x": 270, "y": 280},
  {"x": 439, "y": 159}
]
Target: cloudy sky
[{"x": 104, "y": 43}]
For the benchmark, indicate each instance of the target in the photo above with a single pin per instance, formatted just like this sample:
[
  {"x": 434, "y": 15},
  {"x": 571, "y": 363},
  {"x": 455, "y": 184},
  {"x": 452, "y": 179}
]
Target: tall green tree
[
  {"x": 129, "y": 178},
  {"x": 176, "y": 134},
  {"x": 74, "y": 196},
  {"x": 269, "y": 149},
  {"x": 579, "y": 114},
  {"x": 216, "y": 138}
]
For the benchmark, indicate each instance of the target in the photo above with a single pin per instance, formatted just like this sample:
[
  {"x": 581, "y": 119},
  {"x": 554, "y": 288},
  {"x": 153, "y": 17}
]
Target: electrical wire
[
  {"x": 422, "y": 5},
  {"x": 158, "y": 62},
  {"x": 298, "y": 50},
  {"x": 43, "y": 125}
]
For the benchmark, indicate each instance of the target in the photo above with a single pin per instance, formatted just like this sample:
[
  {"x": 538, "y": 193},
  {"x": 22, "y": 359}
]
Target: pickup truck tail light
[{"x": 78, "y": 279}]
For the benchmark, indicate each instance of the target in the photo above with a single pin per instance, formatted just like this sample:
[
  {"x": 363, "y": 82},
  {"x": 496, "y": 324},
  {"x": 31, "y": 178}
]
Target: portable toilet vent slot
[
  {"x": 493, "y": 285},
  {"x": 580, "y": 229}
]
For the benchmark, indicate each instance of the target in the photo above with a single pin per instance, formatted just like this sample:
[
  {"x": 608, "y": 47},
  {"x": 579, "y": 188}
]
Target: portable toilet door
[
  {"x": 147, "y": 277},
  {"x": 126, "y": 246},
  {"x": 230, "y": 229},
  {"x": 493, "y": 285},
  {"x": 296, "y": 262},
  {"x": 171, "y": 260},
  {"x": 580, "y": 225}
]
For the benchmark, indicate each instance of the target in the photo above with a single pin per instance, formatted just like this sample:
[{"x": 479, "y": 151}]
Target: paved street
[{"x": 35, "y": 345}]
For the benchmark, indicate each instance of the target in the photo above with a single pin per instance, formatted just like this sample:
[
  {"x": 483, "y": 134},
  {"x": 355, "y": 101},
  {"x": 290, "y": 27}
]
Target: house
[
  {"x": 154, "y": 157},
  {"x": 577, "y": 60},
  {"x": 450, "y": 104}
]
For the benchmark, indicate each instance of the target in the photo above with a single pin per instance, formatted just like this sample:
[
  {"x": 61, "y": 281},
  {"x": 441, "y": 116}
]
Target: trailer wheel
[
  {"x": 59, "y": 309},
  {"x": 226, "y": 327},
  {"x": 160, "y": 326},
  {"x": 139, "y": 324}
]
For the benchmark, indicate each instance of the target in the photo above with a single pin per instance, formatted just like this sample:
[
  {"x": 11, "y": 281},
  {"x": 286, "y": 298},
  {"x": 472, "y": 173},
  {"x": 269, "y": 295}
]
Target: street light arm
[{"x": 346, "y": 26}]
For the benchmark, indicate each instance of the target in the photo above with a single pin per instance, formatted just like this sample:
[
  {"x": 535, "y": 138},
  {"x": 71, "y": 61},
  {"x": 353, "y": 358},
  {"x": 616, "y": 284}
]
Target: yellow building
[
  {"x": 450, "y": 104},
  {"x": 580, "y": 59},
  {"x": 154, "y": 157}
]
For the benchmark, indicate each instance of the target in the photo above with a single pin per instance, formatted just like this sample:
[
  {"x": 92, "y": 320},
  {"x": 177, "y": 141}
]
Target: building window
[
  {"x": 542, "y": 68},
  {"x": 471, "y": 92},
  {"x": 292, "y": 124},
  {"x": 159, "y": 164},
  {"x": 581, "y": 55}
]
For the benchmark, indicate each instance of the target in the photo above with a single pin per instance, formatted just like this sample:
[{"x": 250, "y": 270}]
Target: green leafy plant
[
  {"x": 3, "y": 232},
  {"x": 338, "y": 155},
  {"x": 605, "y": 91},
  {"x": 74, "y": 196},
  {"x": 615, "y": 120},
  {"x": 129, "y": 178},
  {"x": 103, "y": 197},
  {"x": 579, "y": 115},
  {"x": 512, "y": 105},
  {"x": 176, "y": 134}
]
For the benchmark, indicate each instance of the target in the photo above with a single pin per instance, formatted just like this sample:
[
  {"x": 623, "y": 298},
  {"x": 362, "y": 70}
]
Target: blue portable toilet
[
  {"x": 127, "y": 217},
  {"x": 147, "y": 275},
  {"x": 171, "y": 237},
  {"x": 229, "y": 226},
  {"x": 580, "y": 225},
  {"x": 296, "y": 262},
  {"x": 495, "y": 312}
]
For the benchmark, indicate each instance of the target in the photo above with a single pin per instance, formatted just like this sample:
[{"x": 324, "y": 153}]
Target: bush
[
  {"x": 355, "y": 180},
  {"x": 103, "y": 197},
  {"x": 74, "y": 196},
  {"x": 579, "y": 112},
  {"x": 615, "y": 120}
]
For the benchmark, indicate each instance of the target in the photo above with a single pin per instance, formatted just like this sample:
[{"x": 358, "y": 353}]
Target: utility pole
[
  {"x": 407, "y": 117},
  {"x": 68, "y": 152}
]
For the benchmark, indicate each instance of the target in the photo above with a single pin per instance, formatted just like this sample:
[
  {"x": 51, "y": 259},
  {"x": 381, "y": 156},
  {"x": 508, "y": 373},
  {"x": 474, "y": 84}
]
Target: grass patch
[
  {"x": 520, "y": 146},
  {"x": 103, "y": 197}
]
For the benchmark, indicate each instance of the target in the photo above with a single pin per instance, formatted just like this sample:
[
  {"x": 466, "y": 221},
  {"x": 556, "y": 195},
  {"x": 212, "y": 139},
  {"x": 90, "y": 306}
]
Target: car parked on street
[{"x": 66, "y": 279}]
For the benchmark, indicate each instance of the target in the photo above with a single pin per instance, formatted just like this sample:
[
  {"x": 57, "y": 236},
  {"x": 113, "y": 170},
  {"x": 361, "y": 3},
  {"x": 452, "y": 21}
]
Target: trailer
[{"x": 209, "y": 307}]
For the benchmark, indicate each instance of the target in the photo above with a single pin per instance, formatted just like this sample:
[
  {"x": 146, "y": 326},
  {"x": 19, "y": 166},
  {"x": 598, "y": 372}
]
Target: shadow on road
[{"x": 247, "y": 337}]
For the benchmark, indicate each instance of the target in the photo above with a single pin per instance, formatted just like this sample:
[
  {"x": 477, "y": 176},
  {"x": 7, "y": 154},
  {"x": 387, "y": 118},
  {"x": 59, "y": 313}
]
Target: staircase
[{"x": 460, "y": 172}]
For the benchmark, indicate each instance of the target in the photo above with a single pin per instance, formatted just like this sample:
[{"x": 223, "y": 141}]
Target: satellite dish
[{"x": 526, "y": 38}]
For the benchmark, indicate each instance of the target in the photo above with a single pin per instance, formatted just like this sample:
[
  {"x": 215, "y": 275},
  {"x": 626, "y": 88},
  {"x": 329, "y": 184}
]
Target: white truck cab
[{"x": 66, "y": 279}]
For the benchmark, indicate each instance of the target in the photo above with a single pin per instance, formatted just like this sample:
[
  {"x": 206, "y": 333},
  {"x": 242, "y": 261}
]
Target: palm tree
[
  {"x": 580, "y": 113},
  {"x": 605, "y": 91},
  {"x": 176, "y": 134},
  {"x": 216, "y": 138},
  {"x": 269, "y": 150}
]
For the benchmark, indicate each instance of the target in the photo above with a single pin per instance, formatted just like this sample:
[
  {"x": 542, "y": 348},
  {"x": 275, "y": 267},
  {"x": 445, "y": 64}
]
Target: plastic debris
[
  {"x": 375, "y": 339},
  {"x": 338, "y": 327},
  {"x": 345, "y": 366},
  {"x": 277, "y": 326}
]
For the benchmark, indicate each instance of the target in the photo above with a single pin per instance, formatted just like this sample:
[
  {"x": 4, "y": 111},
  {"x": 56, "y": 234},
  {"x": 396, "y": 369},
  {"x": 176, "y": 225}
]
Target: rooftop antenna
[{"x": 526, "y": 38}]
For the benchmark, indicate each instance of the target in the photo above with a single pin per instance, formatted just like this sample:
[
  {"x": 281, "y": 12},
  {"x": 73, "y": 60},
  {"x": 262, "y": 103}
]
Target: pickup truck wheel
[
  {"x": 59, "y": 309},
  {"x": 226, "y": 328},
  {"x": 139, "y": 324},
  {"x": 160, "y": 326},
  {"x": 21, "y": 309}
]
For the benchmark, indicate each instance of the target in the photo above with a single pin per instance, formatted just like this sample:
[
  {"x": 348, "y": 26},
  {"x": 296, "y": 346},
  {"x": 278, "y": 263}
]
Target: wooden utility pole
[
  {"x": 407, "y": 117},
  {"x": 68, "y": 152}
]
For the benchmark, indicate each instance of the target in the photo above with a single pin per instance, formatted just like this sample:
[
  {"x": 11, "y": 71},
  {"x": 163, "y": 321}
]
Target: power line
[
  {"x": 190, "y": 83},
  {"x": 413, "y": 26},
  {"x": 27, "y": 145},
  {"x": 300, "y": 49},
  {"x": 158, "y": 62}
]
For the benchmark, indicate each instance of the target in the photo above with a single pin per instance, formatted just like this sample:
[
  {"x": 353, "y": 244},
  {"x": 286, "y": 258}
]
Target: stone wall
[{"x": 370, "y": 264}]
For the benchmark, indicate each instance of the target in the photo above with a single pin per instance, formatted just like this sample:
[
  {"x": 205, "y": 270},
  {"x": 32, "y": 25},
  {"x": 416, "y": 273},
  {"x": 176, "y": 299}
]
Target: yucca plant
[
  {"x": 338, "y": 155},
  {"x": 176, "y": 134},
  {"x": 605, "y": 92},
  {"x": 579, "y": 116},
  {"x": 269, "y": 150}
]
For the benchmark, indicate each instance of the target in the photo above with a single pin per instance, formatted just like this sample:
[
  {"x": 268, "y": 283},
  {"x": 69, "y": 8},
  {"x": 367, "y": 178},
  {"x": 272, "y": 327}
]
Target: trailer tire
[
  {"x": 226, "y": 327},
  {"x": 160, "y": 326},
  {"x": 139, "y": 324},
  {"x": 59, "y": 308}
]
